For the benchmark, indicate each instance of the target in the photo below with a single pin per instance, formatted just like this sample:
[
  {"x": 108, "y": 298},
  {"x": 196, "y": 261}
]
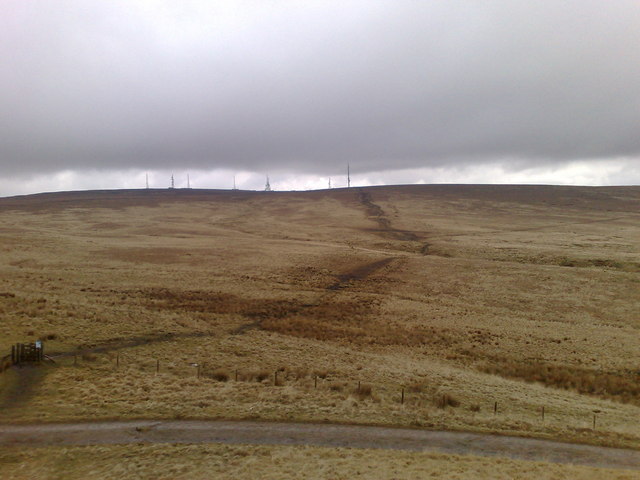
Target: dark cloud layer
[{"x": 308, "y": 86}]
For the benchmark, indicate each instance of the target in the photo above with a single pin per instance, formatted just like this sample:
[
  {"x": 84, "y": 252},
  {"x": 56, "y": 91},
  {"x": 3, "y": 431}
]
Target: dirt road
[{"x": 267, "y": 433}]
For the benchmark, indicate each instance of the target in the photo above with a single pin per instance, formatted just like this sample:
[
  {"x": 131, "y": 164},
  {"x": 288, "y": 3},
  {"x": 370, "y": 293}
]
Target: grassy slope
[
  {"x": 248, "y": 462},
  {"x": 465, "y": 291}
]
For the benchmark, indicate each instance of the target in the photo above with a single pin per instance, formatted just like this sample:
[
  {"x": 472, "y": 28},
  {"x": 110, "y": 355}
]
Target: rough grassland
[
  {"x": 194, "y": 462},
  {"x": 524, "y": 297}
]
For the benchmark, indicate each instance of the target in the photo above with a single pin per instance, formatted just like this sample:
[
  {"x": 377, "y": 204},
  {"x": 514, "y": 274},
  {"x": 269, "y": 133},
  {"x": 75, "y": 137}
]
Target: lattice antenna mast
[
  {"x": 348, "y": 176},
  {"x": 188, "y": 181},
  {"x": 147, "y": 180},
  {"x": 267, "y": 187},
  {"x": 234, "y": 183},
  {"x": 172, "y": 182}
]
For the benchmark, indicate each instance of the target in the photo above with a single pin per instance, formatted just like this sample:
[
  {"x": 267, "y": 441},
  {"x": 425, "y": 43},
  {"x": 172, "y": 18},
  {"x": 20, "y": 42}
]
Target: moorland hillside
[{"x": 449, "y": 306}]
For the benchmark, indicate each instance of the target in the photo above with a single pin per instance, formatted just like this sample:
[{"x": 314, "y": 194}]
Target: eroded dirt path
[
  {"x": 360, "y": 272},
  {"x": 344, "y": 280},
  {"x": 376, "y": 213},
  {"x": 326, "y": 435}
]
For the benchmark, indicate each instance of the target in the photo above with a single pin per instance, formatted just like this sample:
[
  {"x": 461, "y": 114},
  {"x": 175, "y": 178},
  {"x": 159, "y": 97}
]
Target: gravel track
[{"x": 325, "y": 435}]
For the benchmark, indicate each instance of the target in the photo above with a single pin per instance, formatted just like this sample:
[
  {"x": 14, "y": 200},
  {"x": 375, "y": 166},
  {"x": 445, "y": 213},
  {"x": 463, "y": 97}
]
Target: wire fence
[
  {"x": 321, "y": 381},
  {"x": 309, "y": 380}
]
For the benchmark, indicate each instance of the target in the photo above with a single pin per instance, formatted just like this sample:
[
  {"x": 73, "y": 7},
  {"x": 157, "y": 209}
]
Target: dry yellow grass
[
  {"x": 524, "y": 296},
  {"x": 266, "y": 462}
]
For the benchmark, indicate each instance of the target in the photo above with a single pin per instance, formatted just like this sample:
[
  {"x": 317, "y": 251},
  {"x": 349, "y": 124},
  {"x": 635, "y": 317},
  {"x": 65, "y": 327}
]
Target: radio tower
[
  {"x": 234, "y": 182},
  {"x": 329, "y": 182},
  {"x": 188, "y": 181},
  {"x": 267, "y": 187},
  {"x": 172, "y": 184},
  {"x": 147, "y": 179},
  {"x": 348, "y": 176}
]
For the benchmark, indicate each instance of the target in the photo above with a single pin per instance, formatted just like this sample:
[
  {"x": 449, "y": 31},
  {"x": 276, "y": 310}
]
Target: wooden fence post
[
  {"x": 495, "y": 408},
  {"x": 157, "y": 367},
  {"x": 543, "y": 413},
  {"x": 402, "y": 397},
  {"x": 236, "y": 374},
  {"x": 315, "y": 381}
]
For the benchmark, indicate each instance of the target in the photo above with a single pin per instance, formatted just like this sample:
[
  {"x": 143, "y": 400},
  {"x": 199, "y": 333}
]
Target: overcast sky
[{"x": 96, "y": 94}]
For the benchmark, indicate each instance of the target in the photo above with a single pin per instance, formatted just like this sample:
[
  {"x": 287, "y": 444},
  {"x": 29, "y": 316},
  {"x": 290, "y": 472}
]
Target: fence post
[
  {"x": 315, "y": 381},
  {"x": 275, "y": 378},
  {"x": 495, "y": 408},
  {"x": 358, "y": 386},
  {"x": 594, "y": 421},
  {"x": 117, "y": 360},
  {"x": 543, "y": 413},
  {"x": 157, "y": 366},
  {"x": 402, "y": 397},
  {"x": 236, "y": 374}
]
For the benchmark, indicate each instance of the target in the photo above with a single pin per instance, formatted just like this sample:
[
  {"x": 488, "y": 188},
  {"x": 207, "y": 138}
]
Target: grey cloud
[{"x": 258, "y": 85}]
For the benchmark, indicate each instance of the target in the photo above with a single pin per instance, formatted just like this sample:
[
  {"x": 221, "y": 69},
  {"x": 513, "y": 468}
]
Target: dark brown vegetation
[
  {"x": 363, "y": 390},
  {"x": 446, "y": 400},
  {"x": 621, "y": 386},
  {"x": 220, "y": 375}
]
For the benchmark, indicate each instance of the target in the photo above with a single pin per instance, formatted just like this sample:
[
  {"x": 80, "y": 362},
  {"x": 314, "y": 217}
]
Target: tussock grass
[
  {"x": 622, "y": 386},
  {"x": 364, "y": 390},
  {"x": 314, "y": 284},
  {"x": 254, "y": 376},
  {"x": 89, "y": 357},
  {"x": 229, "y": 462},
  {"x": 218, "y": 375},
  {"x": 416, "y": 387},
  {"x": 446, "y": 400},
  {"x": 337, "y": 386}
]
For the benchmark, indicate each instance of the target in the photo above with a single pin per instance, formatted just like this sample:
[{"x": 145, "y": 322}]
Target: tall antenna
[
  {"x": 267, "y": 187},
  {"x": 188, "y": 181},
  {"x": 147, "y": 178},
  {"x": 234, "y": 183},
  {"x": 329, "y": 182},
  {"x": 348, "y": 176},
  {"x": 172, "y": 184}
]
